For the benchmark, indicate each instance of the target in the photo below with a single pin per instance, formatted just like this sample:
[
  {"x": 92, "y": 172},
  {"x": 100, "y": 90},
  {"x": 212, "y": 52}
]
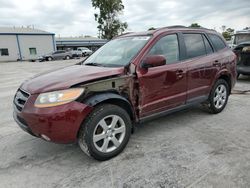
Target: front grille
[{"x": 20, "y": 99}]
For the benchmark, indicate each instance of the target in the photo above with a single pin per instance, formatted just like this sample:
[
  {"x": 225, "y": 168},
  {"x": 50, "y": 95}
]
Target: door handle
[
  {"x": 216, "y": 63},
  {"x": 179, "y": 73}
]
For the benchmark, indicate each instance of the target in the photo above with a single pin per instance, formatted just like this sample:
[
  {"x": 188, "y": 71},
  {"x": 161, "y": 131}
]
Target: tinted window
[
  {"x": 59, "y": 52},
  {"x": 217, "y": 42},
  {"x": 167, "y": 46},
  {"x": 194, "y": 45},
  {"x": 32, "y": 51},
  {"x": 4, "y": 51},
  {"x": 209, "y": 49}
]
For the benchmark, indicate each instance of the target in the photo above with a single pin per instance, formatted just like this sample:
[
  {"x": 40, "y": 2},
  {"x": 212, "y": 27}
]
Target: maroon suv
[{"x": 131, "y": 79}]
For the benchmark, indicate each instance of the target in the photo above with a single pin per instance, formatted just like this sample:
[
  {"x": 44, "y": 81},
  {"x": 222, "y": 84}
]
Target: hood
[
  {"x": 242, "y": 45},
  {"x": 66, "y": 77}
]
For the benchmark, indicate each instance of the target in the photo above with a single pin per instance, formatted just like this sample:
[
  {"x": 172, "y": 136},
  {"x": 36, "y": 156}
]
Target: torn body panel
[{"x": 122, "y": 88}]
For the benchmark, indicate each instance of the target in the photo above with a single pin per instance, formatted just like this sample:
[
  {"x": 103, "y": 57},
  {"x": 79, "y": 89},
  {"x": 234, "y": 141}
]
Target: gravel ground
[{"x": 190, "y": 148}]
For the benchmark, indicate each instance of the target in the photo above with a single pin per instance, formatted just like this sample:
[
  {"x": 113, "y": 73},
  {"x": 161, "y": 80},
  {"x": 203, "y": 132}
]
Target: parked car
[
  {"x": 241, "y": 43},
  {"x": 85, "y": 51},
  {"x": 57, "y": 55},
  {"x": 240, "y": 37},
  {"x": 132, "y": 79},
  {"x": 76, "y": 53}
]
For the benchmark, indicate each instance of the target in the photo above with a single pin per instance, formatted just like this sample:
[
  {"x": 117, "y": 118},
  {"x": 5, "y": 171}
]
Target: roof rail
[
  {"x": 173, "y": 26},
  {"x": 122, "y": 35},
  {"x": 181, "y": 26}
]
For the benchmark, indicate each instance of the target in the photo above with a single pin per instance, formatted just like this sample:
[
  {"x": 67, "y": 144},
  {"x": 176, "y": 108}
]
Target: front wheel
[
  {"x": 238, "y": 75},
  {"x": 50, "y": 58},
  {"x": 218, "y": 97},
  {"x": 67, "y": 57},
  {"x": 105, "y": 132}
]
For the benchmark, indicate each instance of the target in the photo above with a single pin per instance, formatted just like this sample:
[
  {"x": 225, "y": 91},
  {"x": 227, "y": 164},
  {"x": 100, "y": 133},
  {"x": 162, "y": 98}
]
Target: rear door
[
  {"x": 163, "y": 87},
  {"x": 200, "y": 66},
  {"x": 59, "y": 54}
]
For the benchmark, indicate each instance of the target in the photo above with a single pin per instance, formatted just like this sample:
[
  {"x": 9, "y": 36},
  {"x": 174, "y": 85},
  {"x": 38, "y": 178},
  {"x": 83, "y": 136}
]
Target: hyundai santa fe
[{"x": 133, "y": 78}]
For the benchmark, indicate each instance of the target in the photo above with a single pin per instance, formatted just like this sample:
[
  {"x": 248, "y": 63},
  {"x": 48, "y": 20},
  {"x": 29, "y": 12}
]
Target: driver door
[{"x": 164, "y": 87}]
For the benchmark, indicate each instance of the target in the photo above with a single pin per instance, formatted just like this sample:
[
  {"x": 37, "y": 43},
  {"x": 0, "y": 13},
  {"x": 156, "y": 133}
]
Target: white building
[{"x": 25, "y": 43}]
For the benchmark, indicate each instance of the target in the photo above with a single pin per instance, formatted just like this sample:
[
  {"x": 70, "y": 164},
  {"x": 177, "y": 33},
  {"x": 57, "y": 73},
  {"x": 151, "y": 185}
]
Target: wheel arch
[
  {"x": 227, "y": 78},
  {"x": 111, "y": 98},
  {"x": 225, "y": 75}
]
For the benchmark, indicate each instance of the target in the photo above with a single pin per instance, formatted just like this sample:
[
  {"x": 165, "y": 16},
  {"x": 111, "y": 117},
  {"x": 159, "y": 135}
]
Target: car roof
[{"x": 159, "y": 31}]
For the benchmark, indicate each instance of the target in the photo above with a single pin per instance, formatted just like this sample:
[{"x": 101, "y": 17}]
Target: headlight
[{"x": 56, "y": 98}]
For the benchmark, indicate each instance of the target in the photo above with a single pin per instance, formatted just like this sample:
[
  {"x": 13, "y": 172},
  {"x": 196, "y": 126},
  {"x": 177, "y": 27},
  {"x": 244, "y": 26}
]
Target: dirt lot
[{"x": 187, "y": 149}]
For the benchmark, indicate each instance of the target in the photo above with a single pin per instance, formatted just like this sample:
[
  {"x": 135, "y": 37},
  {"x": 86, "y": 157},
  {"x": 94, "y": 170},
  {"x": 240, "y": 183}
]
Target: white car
[
  {"x": 76, "y": 53},
  {"x": 85, "y": 51}
]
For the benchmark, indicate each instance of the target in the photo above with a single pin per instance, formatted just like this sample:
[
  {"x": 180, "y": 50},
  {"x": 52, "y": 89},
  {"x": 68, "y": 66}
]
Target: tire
[
  {"x": 50, "y": 58},
  {"x": 238, "y": 75},
  {"x": 98, "y": 131},
  {"x": 218, "y": 97},
  {"x": 67, "y": 57}
]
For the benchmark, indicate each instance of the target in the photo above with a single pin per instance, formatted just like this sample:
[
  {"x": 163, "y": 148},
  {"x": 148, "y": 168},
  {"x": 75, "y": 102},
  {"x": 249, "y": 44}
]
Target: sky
[{"x": 76, "y": 17}]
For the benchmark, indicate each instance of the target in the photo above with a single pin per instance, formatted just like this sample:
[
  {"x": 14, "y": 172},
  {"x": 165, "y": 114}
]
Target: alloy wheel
[
  {"x": 220, "y": 96},
  {"x": 109, "y": 133}
]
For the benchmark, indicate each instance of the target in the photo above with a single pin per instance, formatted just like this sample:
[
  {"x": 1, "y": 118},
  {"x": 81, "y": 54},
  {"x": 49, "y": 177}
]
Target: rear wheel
[
  {"x": 218, "y": 97},
  {"x": 106, "y": 132},
  {"x": 67, "y": 57},
  {"x": 50, "y": 58},
  {"x": 238, "y": 75}
]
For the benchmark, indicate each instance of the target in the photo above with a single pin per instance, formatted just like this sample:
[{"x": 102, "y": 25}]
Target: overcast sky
[{"x": 76, "y": 17}]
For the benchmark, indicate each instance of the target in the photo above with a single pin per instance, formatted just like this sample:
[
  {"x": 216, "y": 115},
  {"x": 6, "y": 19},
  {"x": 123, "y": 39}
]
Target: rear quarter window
[
  {"x": 209, "y": 49},
  {"x": 218, "y": 43}
]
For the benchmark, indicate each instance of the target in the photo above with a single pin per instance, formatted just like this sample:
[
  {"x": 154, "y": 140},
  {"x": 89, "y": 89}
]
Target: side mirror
[{"x": 153, "y": 61}]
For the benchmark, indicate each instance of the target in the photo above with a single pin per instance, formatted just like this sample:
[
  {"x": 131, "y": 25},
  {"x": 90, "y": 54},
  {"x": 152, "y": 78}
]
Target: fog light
[{"x": 45, "y": 137}]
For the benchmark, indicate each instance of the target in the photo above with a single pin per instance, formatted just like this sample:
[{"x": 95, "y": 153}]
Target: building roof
[
  {"x": 77, "y": 39},
  {"x": 22, "y": 31},
  {"x": 80, "y": 41},
  {"x": 246, "y": 31}
]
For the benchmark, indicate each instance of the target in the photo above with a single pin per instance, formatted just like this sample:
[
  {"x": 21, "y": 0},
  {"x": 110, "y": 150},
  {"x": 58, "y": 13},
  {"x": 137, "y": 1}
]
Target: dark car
[
  {"x": 57, "y": 55},
  {"x": 243, "y": 58},
  {"x": 131, "y": 79},
  {"x": 241, "y": 47}
]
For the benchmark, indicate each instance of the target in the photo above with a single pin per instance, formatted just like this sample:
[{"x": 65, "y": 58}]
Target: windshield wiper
[{"x": 93, "y": 64}]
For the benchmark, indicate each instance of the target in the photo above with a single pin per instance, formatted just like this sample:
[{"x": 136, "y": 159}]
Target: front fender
[
  {"x": 112, "y": 98},
  {"x": 101, "y": 97}
]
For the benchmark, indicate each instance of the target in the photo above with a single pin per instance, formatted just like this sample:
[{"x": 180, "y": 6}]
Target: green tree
[
  {"x": 227, "y": 34},
  {"x": 151, "y": 28},
  {"x": 230, "y": 30},
  {"x": 195, "y": 25},
  {"x": 109, "y": 23}
]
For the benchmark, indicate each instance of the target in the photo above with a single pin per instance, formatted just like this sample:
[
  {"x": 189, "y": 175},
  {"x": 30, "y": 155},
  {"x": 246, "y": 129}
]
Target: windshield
[
  {"x": 241, "y": 38},
  {"x": 117, "y": 52}
]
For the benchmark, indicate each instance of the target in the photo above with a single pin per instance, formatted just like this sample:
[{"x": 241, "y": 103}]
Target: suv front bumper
[{"x": 58, "y": 124}]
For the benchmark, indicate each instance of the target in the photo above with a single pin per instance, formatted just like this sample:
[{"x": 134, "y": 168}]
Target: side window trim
[
  {"x": 209, "y": 40},
  {"x": 209, "y": 43},
  {"x": 182, "y": 47}
]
